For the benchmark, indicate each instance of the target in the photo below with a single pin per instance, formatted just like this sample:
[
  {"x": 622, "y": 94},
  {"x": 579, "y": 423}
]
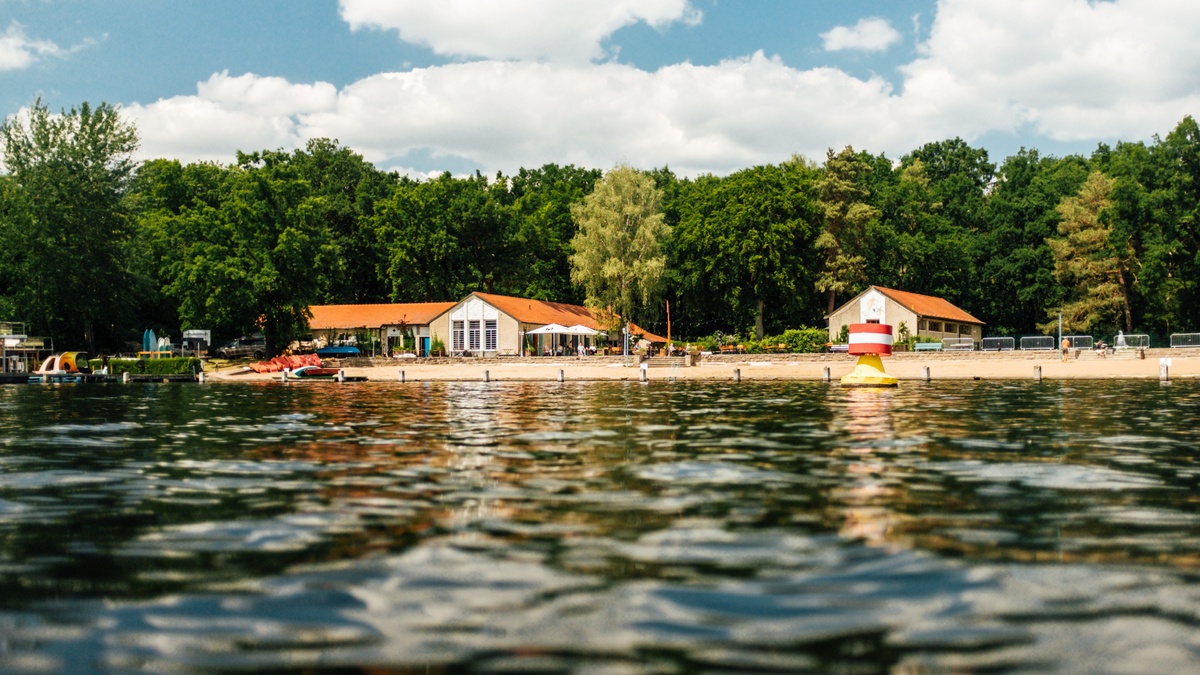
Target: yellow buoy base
[{"x": 868, "y": 373}]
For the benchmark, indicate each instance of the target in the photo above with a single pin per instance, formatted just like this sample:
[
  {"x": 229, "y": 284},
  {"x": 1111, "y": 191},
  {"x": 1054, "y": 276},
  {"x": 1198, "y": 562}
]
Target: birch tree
[{"x": 619, "y": 259}]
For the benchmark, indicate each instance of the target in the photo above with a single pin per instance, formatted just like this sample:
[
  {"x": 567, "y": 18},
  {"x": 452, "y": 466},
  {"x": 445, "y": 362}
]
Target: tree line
[{"x": 98, "y": 247}]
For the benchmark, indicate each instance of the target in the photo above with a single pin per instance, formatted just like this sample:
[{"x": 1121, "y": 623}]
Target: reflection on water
[{"x": 597, "y": 527}]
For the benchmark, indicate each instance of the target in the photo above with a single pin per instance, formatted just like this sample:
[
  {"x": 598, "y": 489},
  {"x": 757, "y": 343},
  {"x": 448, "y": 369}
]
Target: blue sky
[{"x": 699, "y": 85}]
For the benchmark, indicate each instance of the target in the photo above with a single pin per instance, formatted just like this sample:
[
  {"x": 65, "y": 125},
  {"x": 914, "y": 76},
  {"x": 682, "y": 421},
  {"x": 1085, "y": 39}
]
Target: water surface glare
[{"x": 601, "y": 527}]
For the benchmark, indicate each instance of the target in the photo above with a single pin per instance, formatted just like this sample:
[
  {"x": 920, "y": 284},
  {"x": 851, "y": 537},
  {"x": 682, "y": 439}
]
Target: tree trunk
[
  {"x": 758, "y": 321},
  {"x": 832, "y": 300},
  {"x": 1125, "y": 300},
  {"x": 89, "y": 336}
]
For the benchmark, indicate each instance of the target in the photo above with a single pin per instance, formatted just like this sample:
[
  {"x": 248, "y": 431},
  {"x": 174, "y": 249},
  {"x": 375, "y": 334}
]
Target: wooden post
[
  {"x": 826, "y": 375},
  {"x": 1037, "y": 373},
  {"x": 925, "y": 373},
  {"x": 401, "y": 375}
]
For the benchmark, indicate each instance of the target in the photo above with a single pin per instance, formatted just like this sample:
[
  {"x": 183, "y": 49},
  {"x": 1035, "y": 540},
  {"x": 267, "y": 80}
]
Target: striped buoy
[
  {"x": 869, "y": 341},
  {"x": 870, "y": 338}
]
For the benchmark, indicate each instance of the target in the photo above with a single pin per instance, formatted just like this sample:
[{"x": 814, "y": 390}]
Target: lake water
[{"x": 601, "y": 527}]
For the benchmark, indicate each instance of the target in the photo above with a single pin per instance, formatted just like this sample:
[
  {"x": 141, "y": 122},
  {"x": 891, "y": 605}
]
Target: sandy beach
[{"x": 1013, "y": 366}]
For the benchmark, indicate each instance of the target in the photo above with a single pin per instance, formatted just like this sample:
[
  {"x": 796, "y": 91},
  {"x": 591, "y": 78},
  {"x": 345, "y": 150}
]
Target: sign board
[
  {"x": 393, "y": 332},
  {"x": 205, "y": 335}
]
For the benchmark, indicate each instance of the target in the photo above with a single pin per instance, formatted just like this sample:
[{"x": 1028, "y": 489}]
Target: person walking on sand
[{"x": 1066, "y": 349}]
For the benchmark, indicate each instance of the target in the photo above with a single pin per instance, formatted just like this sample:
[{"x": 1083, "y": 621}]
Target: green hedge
[{"x": 186, "y": 365}]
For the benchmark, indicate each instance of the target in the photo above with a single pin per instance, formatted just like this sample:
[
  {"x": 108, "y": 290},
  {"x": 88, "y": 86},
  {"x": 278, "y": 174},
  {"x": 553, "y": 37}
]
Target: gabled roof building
[{"x": 920, "y": 315}]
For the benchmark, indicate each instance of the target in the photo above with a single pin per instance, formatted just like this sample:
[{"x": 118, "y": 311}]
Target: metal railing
[
  {"x": 997, "y": 344},
  {"x": 1080, "y": 341},
  {"x": 1179, "y": 340},
  {"x": 1037, "y": 342},
  {"x": 958, "y": 344},
  {"x": 1135, "y": 341}
]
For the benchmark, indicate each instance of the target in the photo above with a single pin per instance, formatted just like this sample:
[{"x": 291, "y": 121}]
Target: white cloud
[
  {"x": 18, "y": 50},
  {"x": 267, "y": 95},
  {"x": 228, "y": 114},
  {"x": 871, "y": 34},
  {"x": 546, "y": 30},
  {"x": 1072, "y": 70}
]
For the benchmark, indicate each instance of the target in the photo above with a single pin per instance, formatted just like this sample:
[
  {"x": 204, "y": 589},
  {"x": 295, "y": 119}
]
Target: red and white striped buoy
[{"x": 870, "y": 338}]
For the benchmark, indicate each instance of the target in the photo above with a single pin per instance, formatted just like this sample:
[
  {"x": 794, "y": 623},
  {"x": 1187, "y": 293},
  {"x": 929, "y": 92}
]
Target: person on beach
[{"x": 1066, "y": 349}]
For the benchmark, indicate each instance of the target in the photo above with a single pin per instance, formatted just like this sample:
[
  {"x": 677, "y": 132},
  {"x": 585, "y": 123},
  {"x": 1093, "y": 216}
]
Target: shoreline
[{"x": 909, "y": 367}]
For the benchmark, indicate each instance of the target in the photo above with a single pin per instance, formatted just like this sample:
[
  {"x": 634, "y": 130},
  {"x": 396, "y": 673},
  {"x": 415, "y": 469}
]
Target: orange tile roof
[
  {"x": 928, "y": 306},
  {"x": 542, "y": 312},
  {"x": 329, "y": 317}
]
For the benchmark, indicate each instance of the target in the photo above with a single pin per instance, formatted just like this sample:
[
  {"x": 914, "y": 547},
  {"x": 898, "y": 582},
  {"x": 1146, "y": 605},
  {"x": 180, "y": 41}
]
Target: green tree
[
  {"x": 65, "y": 215},
  {"x": 1016, "y": 273},
  {"x": 618, "y": 258},
  {"x": 347, "y": 188},
  {"x": 1088, "y": 259},
  {"x": 445, "y": 238},
  {"x": 745, "y": 238},
  {"x": 842, "y": 243},
  {"x": 540, "y": 201},
  {"x": 251, "y": 260}
]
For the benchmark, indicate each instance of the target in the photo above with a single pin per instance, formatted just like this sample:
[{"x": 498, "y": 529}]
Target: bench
[
  {"x": 927, "y": 347},
  {"x": 838, "y": 349}
]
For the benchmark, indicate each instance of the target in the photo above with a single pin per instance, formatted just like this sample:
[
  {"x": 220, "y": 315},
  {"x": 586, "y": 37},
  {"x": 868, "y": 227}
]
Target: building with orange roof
[
  {"x": 389, "y": 322},
  {"x": 487, "y": 324},
  {"x": 481, "y": 324},
  {"x": 916, "y": 314}
]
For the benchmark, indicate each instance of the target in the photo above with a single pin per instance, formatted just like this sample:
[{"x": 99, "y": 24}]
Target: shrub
[
  {"x": 186, "y": 365},
  {"x": 800, "y": 340}
]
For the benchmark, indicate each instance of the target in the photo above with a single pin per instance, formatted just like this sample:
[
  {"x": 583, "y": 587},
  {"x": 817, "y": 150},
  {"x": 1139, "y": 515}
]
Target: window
[
  {"x": 935, "y": 326},
  {"x": 456, "y": 336},
  {"x": 473, "y": 334},
  {"x": 489, "y": 335},
  {"x": 923, "y": 324},
  {"x": 951, "y": 328},
  {"x": 964, "y": 329}
]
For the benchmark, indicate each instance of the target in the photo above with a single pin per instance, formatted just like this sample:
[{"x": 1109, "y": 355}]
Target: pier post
[
  {"x": 560, "y": 375},
  {"x": 827, "y": 375},
  {"x": 487, "y": 377},
  {"x": 737, "y": 374},
  {"x": 643, "y": 374},
  {"x": 341, "y": 375},
  {"x": 200, "y": 377},
  {"x": 125, "y": 377},
  {"x": 1037, "y": 373},
  {"x": 1164, "y": 368},
  {"x": 283, "y": 376},
  {"x": 925, "y": 373},
  {"x": 402, "y": 376}
]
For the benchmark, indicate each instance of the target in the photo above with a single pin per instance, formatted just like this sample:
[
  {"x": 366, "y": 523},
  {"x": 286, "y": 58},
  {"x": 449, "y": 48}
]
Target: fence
[
  {"x": 1132, "y": 342},
  {"x": 1185, "y": 340},
  {"x": 1080, "y": 341},
  {"x": 958, "y": 344},
  {"x": 998, "y": 344},
  {"x": 1037, "y": 342}
]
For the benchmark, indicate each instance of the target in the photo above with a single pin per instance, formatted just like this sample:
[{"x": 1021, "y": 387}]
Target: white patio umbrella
[
  {"x": 578, "y": 329},
  {"x": 549, "y": 329}
]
